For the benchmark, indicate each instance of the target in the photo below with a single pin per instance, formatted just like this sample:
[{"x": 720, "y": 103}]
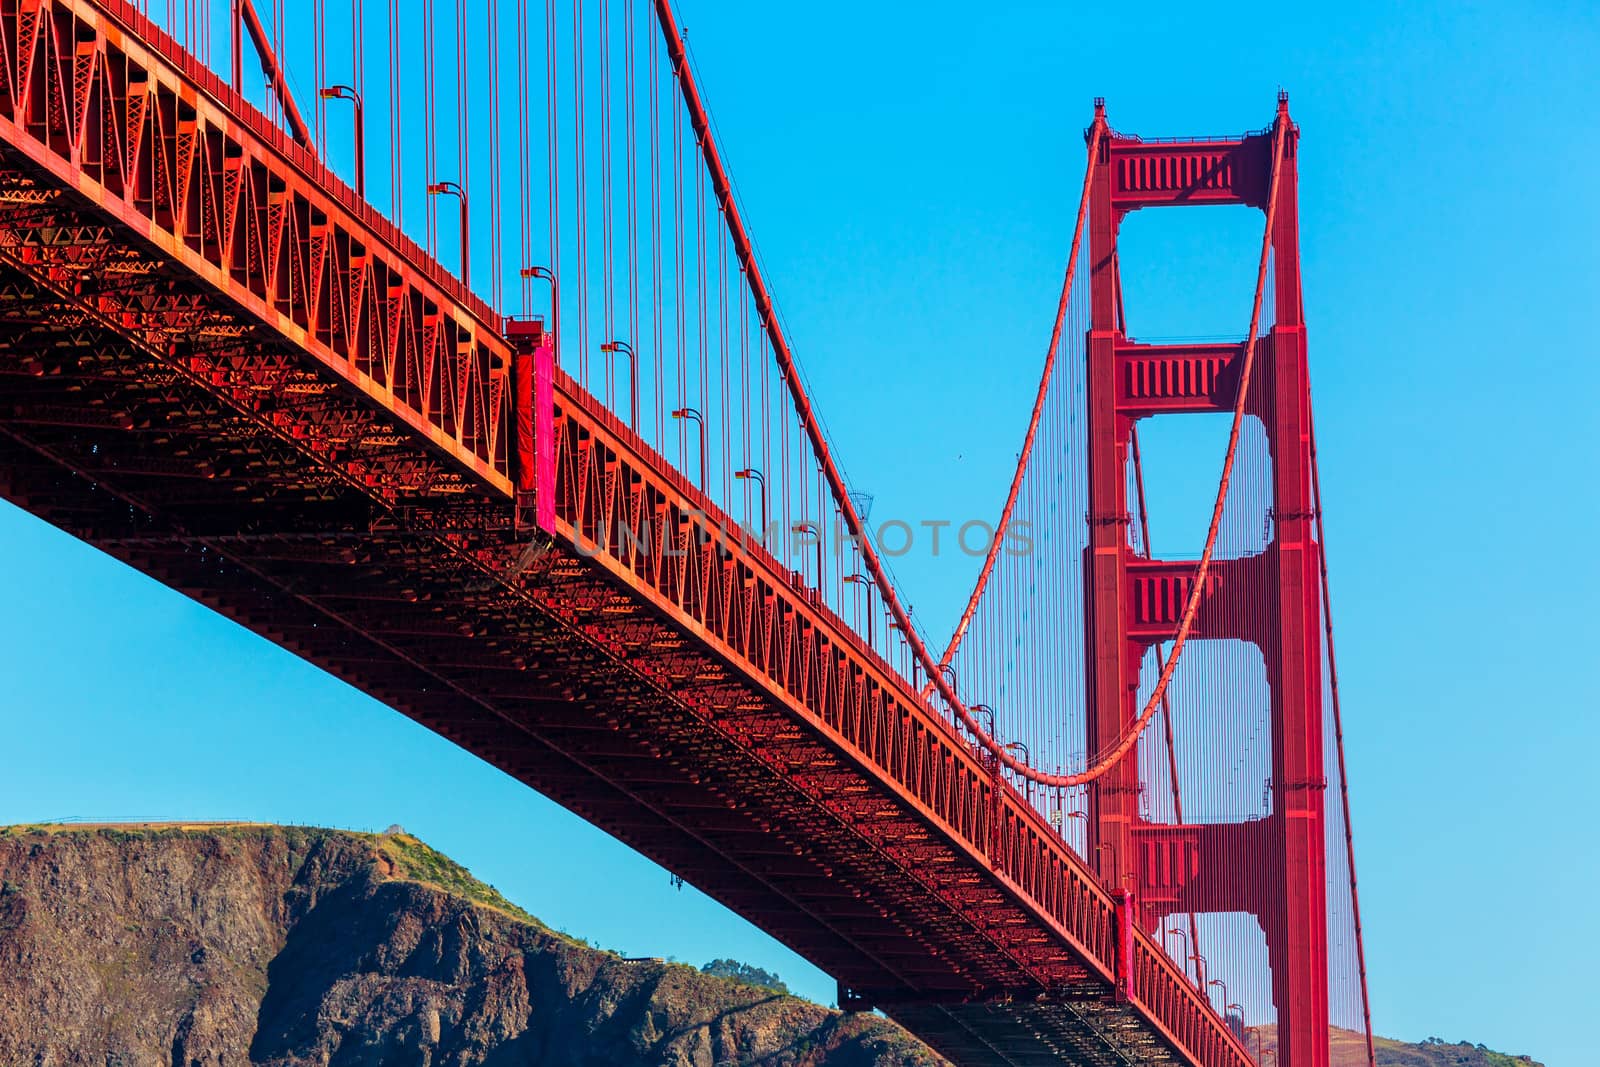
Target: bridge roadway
[{"x": 221, "y": 368}]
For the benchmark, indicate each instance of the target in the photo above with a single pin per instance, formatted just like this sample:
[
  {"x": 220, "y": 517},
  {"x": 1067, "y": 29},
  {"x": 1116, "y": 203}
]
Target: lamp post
[
  {"x": 986, "y": 710},
  {"x": 1027, "y": 783},
  {"x": 1181, "y": 933},
  {"x": 750, "y": 474},
  {"x": 699, "y": 420},
  {"x": 1220, "y": 984},
  {"x": 866, "y": 583},
  {"x": 633, "y": 379},
  {"x": 816, "y": 532},
  {"x": 555, "y": 298},
  {"x": 346, "y": 92},
  {"x": 1257, "y": 1031},
  {"x": 1104, "y": 847},
  {"x": 454, "y": 189}
]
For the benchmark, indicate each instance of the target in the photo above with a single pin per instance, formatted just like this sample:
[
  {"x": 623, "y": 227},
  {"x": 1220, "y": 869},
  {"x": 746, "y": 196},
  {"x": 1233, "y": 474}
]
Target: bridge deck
[{"x": 161, "y": 401}]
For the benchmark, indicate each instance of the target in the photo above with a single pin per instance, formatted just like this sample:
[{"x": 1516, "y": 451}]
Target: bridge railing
[
  {"x": 654, "y": 530},
  {"x": 219, "y": 190},
  {"x": 110, "y": 106}
]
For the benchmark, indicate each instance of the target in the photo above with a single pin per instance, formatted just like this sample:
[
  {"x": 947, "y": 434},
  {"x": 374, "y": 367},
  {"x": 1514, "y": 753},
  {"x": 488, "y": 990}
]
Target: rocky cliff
[{"x": 216, "y": 946}]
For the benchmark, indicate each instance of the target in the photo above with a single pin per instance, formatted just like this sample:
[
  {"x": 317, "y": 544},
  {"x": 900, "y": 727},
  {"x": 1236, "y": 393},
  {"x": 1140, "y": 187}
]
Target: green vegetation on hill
[
  {"x": 744, "y": 972},
  {"x": 171, "y": 914},
  {"x": 415, "y": 861},
  {"x": 290, "y": 946},
  {"x": 1435, "y": 1052}
]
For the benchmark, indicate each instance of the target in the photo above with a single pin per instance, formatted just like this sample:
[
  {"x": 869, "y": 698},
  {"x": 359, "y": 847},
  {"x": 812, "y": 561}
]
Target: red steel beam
[
  {"x": 399, "y": 339},
  {"x": 169, "y": 152},
  {"x": 245, "y": 12}
]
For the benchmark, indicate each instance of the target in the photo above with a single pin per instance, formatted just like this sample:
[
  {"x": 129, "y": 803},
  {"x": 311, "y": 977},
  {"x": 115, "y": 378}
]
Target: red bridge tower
[{"x": 1273, "y": 868}]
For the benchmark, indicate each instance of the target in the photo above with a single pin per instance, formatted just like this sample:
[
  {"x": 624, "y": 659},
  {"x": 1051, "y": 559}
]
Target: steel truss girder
[
  {"x": 191, "y": 244},
  {"x": 171, "y": 154}
]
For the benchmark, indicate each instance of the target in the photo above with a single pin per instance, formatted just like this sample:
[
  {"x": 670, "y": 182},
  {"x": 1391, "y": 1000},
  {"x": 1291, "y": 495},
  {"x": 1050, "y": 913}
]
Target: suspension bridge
[{"x": 516, "y": 443}]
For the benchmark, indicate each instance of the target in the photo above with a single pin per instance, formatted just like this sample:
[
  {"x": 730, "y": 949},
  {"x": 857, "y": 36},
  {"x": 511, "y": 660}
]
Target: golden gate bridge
[{"x": 581, "y": 517}]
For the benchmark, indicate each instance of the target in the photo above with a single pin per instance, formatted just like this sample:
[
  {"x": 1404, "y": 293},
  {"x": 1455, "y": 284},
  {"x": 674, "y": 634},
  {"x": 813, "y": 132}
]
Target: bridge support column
[
  {"x": 533, "y": 462},
  {"x": 1114, "y": 799},
  {"x": 1275, "y": 867},
  {"x": 1297, "y": 933}
]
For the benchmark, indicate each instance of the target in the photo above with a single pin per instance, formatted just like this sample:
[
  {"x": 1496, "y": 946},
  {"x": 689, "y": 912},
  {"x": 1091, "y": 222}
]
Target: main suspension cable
[
  {"x": 1166, "y": 703},
  {"x": 1103, "y": 762},
  {"x": 921, "y": 657},
  {"x": 1033, "y": 422}
]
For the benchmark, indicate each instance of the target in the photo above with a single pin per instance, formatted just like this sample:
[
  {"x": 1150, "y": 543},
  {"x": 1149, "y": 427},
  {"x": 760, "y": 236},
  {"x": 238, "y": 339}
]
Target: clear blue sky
[{"x": 910, "y": 171}]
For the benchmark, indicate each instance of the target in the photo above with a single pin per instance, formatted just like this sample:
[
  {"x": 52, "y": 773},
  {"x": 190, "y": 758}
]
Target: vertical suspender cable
[
  {"x": 580, "y": 190},
  {"x": 463, "y": 133},
  {"x": 358, "y": 47},
  {"x": 658, "y": 357},
  {"x": 496, "y": 240},
  {"x": 607, "y": 243},
  {"x": 1338, "y": 733},
  {"x": 553, "y": 140},
  {"x": 1033, "y": 423},
  {"x": 396, "y": 148},
  {"x": 630, "y": 124},
  {"x": 430, "y": 163},
  {"x": 1166, "y": 704},
  {"x": 524, "y": 161},
  {"x": 678, "y": 282},
  {"x": 319, "y": 64},
  {"x": 1104, "y": 761}
]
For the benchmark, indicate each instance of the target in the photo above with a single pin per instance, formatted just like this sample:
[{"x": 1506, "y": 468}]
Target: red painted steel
[
  {"x": 108, "y": 105},
  {"x": 1338, "y": 735},
  {"x": 379, "y": 473},
  {"x": 1134, "y": 603},
  {"x": 245, "y": 14},
  {"x": 1112, "y": 740},
  {"x": 744, "y": 606},
  {"x": 1025, "y": 457}
]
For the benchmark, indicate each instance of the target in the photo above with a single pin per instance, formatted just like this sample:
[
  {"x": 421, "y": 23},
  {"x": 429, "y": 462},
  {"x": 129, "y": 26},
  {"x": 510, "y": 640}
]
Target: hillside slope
[
  {"x": 1349, "y": 1049},
  {"x": 234, "y": 945},
  {"x": 216, "y": 946}
]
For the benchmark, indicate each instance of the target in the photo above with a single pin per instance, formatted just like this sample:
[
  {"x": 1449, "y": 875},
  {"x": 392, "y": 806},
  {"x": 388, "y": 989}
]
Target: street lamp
[
  {"x": 346, "y": 92},
  {"x": 699, "y": 420},
  {"x": 987, "y": 710},
  {"x": 555, "y": 297},
  {"x": 1220, "y": 984},
  {"x": 633, "y": 379},
  {"x": 866, "y": 583},
  {"x": 454, "y": 189},
  {"x": 1257, "y": 1032},
  {"x": 1027, "y": 783},
  {"x": 750, "y": 474},
  {"x": 816, "y": 532}
]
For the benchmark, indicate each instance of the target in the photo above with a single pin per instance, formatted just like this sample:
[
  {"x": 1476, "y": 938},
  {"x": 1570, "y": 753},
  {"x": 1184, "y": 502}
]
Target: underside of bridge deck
[{"x": 232, "y": 469}]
